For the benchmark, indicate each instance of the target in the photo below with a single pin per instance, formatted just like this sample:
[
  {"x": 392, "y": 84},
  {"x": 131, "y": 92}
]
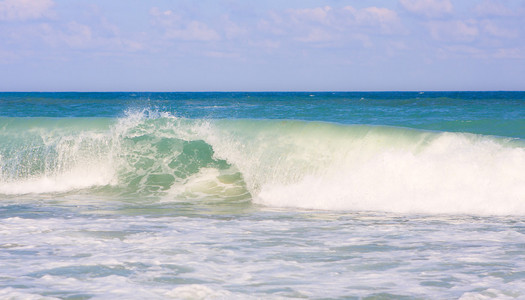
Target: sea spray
[
  {"x": 147, "y": 152},
  {"x": 44, "y": 155}
]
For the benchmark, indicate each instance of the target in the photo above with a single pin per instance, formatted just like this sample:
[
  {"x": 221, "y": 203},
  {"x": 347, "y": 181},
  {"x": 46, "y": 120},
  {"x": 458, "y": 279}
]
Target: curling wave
[{"x": 271, "y": 162}]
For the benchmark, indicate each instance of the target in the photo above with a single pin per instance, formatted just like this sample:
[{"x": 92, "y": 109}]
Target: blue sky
[{"x": 272, "y": 45}]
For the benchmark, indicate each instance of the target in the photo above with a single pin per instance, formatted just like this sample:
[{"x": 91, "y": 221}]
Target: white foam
[
  {"x": 210, "y": 183},
  {"x": 78, "y": 178},
  {"x": 60, "y": 161},
  {"x": 383, "y": 169},
  {"x": 197, "y": 291}
]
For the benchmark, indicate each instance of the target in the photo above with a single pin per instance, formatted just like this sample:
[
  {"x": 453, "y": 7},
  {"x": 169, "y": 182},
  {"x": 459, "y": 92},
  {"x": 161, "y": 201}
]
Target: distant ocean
[{"x": 354, "y": 195}]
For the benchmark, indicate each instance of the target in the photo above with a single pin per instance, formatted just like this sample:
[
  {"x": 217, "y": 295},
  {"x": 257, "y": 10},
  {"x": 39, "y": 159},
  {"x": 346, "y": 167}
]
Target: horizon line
[{"x": 275, "y": 91}]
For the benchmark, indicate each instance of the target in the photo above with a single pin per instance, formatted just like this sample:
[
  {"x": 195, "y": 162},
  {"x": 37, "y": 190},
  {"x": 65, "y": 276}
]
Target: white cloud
[
  {"x": 461, "y": 51},
  {"x": 384, "y": 18},
  {"x": 318, "y": 14},
  {"x": 222, "y": 54},
  {"x": 272, "y": 24},
  {"x": 231, "y": 29},
  {"x": 317, "y": 35},
  {"x": 454, "y": 31},
  {"x": 331, "y": 24},
  {"x": 78, "y": 35},
  {"x": 493, "y": 8},
  {"x": 480, "y": 53},
  {"x": 494, "y": 30},
  {"x": 7, "y": 57},
  {"x": 192, "y": 31},
  {"x": 21, "y": 10},
  {"x": 267, "y": 45},
  {"x": 175, "y": 26},
  {"x": 345, "y": 17},
  {"x": 70, "y": 35},
  {"x": 510, "y": 53},
  {"x": 428, "y": 8}
]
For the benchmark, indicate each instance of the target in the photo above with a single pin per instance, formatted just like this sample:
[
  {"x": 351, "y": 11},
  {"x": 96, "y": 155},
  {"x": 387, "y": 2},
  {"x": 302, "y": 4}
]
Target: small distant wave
[{"x": 292, "y": 164}]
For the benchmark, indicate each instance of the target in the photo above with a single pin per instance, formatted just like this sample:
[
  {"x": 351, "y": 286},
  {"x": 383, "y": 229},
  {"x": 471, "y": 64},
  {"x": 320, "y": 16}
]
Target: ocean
[{"x": 311, "y": 195}]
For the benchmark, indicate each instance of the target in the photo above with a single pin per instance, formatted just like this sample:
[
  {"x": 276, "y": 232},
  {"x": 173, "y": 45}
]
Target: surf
[{"x": 277, "y": 163}]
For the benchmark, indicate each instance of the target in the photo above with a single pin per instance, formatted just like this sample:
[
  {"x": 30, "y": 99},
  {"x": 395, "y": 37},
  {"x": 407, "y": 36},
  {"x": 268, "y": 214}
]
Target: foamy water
[{"x": 153, "y": 251}]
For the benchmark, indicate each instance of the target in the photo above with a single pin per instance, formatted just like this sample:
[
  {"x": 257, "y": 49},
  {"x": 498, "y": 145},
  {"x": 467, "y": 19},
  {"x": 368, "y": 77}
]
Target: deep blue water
[{"x": 496, "y": 113}]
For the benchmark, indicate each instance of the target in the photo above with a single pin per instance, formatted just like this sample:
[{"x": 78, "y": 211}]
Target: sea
[{"x": 262, "y": 195}]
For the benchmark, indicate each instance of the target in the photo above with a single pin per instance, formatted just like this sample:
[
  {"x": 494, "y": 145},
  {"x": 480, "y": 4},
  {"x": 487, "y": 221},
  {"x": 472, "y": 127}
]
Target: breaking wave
[{"x": 296, "y": 164}]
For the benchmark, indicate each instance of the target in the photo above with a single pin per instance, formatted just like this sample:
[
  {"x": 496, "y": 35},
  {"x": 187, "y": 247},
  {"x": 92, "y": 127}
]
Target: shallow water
[{"x": 69, "y": 249}]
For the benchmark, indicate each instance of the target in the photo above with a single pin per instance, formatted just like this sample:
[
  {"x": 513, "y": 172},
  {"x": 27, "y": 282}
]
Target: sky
[{"x": 271, "y": 45}]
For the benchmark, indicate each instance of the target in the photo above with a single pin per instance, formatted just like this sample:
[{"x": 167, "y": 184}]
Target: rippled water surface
[{"x": 181, "y": 250}]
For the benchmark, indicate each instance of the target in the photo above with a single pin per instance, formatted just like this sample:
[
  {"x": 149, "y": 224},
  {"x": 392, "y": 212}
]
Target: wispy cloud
[
  {"x": 272, "y": 37},
  {"x": 333, "y": 24},
  {"x": 428, "y": 8},
  {"x": 37, "y": 31},
  {"x": 456, "y": 31},
  {"x": 21, "y": 10},
  {"x": 473, "y": 30},
  {"x": 176, "y": 26},
  {"x": 493, "y": 29},
  {"x": 493, "y": 8}
]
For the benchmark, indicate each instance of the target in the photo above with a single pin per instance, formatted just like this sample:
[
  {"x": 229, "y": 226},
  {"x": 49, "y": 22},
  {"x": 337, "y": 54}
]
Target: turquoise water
[
  {"x": 262, "y": 195},
  {"x": 492, "y": 113}
]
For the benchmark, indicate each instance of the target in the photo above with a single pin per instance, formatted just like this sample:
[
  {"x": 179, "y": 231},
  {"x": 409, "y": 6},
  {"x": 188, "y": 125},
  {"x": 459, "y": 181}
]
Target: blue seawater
[{"x": 372, "y": 195}]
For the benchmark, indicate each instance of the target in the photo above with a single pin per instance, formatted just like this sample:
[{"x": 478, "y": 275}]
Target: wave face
[
  {"x": 296, "y": 164},
  {"x": 145, "y": 153}
]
